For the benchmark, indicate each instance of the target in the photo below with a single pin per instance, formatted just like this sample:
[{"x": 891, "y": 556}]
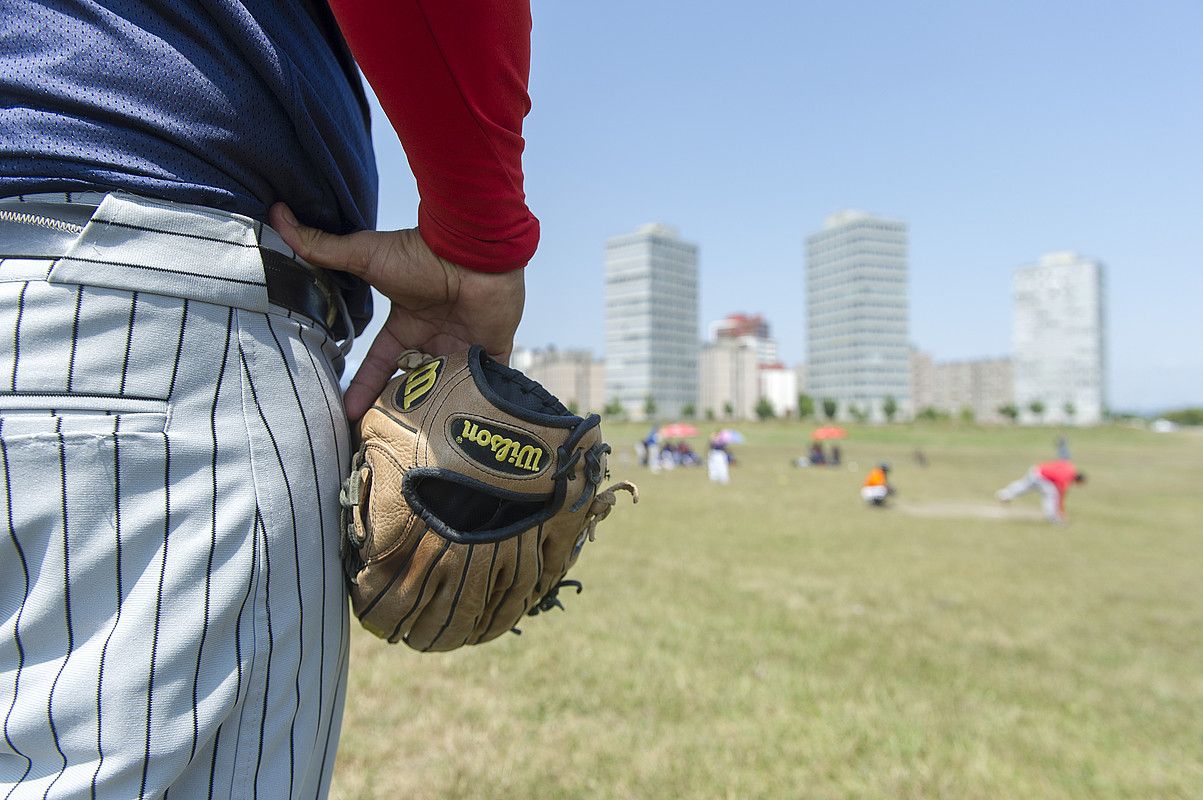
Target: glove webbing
[{"x": 599, "y": 509}]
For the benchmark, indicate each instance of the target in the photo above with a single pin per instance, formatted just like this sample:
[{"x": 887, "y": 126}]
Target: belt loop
[{"x": 344, "y": 327}]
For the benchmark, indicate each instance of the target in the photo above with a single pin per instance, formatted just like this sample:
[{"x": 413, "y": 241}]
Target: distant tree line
[
  {"x": 826, "y": 408},
  {"x": 1184, "y": 416}
]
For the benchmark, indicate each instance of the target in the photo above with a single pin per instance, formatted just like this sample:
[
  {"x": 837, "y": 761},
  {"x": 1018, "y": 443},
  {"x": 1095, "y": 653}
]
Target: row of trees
[
  {"x": 764, "y": 409},
  {"x": 688, "y": 411},
  {"x": 1037, "y": 407},
  {"x": 828, "y": 406},
  {"x": 1185, "y": 416}
]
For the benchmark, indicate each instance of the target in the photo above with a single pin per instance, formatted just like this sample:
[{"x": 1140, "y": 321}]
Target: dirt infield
[{"x": 970, "y": 510}]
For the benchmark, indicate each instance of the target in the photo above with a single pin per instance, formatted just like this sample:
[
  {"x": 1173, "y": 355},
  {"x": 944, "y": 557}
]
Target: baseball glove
[{"x": 470, "y": 497}]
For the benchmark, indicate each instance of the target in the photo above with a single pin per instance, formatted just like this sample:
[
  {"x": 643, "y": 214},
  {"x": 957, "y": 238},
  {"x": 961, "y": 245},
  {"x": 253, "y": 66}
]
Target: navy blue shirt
[{"x": 227, "y": 104}]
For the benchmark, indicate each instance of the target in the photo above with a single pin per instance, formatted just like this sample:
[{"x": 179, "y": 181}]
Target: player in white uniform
[
  {"x": 172, "y": 437},
  {"x": 171, "y": 444}
]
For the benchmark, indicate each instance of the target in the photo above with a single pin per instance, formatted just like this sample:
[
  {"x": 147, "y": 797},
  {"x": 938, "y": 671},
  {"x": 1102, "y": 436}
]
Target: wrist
[{"x": 496, "y": 250}]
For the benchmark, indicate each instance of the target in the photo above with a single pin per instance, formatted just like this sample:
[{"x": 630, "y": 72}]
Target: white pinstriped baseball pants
[{"x": 173, "y": 617}]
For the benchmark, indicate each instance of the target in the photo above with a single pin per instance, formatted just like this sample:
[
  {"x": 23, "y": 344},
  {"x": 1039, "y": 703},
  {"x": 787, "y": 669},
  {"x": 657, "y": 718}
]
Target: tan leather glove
[{"x": 470, "y": 497}]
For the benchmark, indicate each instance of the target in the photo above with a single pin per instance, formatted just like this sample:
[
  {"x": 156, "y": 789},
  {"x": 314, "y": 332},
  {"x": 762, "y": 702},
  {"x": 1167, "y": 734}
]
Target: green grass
[{"x": 774, "y": 638}]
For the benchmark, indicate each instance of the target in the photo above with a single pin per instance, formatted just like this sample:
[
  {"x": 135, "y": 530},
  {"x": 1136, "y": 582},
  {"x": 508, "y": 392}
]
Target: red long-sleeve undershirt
[
  {"x": 1061, "y": 474},
  {"x": 452, "y": 77}
]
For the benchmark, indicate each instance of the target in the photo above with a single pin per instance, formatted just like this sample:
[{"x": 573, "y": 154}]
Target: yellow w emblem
[{"x": 418, "y": 385}]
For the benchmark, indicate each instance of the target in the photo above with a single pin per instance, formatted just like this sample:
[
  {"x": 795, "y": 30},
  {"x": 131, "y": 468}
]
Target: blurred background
[
  {"x": 961, "y": 239},
  {"x": 995, "y": 132}
]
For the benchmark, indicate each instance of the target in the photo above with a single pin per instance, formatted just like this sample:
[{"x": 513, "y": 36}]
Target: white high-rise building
[
  {"x": 1059, "y": 340},
  {"x": 858, "y": 345},
  {"x": 652, "y": 321}
]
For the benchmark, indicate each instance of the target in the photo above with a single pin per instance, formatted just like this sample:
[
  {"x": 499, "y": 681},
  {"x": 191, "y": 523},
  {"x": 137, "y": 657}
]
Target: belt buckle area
[
  {"x": 319, "y": 298},
  {"x": 338, "y": 316},
  {"x": 337, "y": 320}
]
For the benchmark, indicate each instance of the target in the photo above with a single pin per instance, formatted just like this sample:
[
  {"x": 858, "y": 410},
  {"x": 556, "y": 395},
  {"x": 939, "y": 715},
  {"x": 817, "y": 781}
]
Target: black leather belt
[
  {"x": 290, "y": 284},
  {"x": 306, "y": 291}
]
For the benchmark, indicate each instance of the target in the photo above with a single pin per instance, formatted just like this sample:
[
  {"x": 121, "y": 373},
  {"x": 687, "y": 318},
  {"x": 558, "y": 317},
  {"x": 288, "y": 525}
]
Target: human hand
[{"x": 436, "y": 306}]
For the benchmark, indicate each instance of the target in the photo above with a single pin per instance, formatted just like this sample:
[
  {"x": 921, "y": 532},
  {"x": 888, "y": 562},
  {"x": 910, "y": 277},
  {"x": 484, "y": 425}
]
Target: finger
[
  {"x": 378, "y": 367},
  {"x": 501, "y": 356},
  {"x": 350, "y": 253}
]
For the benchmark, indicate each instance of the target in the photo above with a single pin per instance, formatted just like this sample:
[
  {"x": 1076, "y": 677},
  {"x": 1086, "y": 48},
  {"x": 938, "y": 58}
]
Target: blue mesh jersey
[{"x": 231, "y": 104}]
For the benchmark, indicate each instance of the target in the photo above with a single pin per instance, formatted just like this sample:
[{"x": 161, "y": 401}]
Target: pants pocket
[{"x": 72, "y": 414}]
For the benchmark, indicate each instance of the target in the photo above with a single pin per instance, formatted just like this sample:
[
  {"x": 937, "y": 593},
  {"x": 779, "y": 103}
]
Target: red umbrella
[
  {"x": 678, "y": 430},
  {"x": 829, "y": 432}
]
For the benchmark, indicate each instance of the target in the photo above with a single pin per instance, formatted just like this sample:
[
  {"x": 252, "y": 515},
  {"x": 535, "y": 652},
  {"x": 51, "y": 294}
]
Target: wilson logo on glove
[
  {"x": 498, "y": 447},
  {"x": 460, "y": 521},
  {"x": 417, "y": 385}
]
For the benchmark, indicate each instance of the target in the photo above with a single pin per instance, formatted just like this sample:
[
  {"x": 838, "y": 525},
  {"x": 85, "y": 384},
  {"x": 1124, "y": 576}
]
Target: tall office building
[
  {"x": 652, "y": 321},
  {"x": 858, "y": 347},
  {"x": 1059, "y": 340}
]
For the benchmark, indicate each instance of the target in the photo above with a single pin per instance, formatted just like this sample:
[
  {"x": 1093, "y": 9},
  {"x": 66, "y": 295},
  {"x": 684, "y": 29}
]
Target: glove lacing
[
  {"x": 350, "y": 496},
  {"x": 599, "y": 509},
  {"x": 412, "y": 359},
  {"x": 351, "y": 493},
  {"x": 604, "y": 503}
]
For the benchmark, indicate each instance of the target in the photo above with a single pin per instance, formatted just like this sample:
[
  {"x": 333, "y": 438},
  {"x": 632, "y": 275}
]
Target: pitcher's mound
[{"x": 963, "y": 509}]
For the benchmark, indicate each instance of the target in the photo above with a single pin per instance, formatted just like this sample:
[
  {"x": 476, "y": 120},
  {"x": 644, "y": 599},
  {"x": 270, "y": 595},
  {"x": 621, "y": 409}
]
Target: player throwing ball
[{"x": 1052, "y": 479}]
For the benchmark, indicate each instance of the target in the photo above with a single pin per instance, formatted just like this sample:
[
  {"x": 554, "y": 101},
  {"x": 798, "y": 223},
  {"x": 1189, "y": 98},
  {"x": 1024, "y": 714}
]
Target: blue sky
[{"x": 997, "y": 131}]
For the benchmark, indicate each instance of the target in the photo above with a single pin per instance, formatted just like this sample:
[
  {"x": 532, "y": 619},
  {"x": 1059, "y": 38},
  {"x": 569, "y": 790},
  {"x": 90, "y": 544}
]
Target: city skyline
[{"x": 1090, "y": 146}]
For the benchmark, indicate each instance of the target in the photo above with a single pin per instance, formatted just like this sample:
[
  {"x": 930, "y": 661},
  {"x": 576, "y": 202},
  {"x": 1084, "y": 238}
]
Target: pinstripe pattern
[
  {"x": 66, "y": 587},
  {"x": 120, "y": 594},
  {"x": 17, "y": 335},
  {"x": 20, "y": 551},
  {"x": 172, "y": 613}
]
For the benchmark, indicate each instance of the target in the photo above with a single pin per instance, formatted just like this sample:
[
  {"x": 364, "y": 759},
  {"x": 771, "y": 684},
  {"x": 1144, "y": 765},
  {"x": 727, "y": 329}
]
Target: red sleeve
[
  {"x": 452, "y": 77},
  {"x": 1060, "y": 474}
]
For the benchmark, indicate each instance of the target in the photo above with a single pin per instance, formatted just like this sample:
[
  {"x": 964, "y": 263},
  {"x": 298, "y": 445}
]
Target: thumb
[{"x": 350, "y": 253}]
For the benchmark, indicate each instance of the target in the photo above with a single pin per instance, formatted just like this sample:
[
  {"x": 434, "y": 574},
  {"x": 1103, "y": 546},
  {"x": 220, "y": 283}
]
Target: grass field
[{"x": 775, "y": 639}]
